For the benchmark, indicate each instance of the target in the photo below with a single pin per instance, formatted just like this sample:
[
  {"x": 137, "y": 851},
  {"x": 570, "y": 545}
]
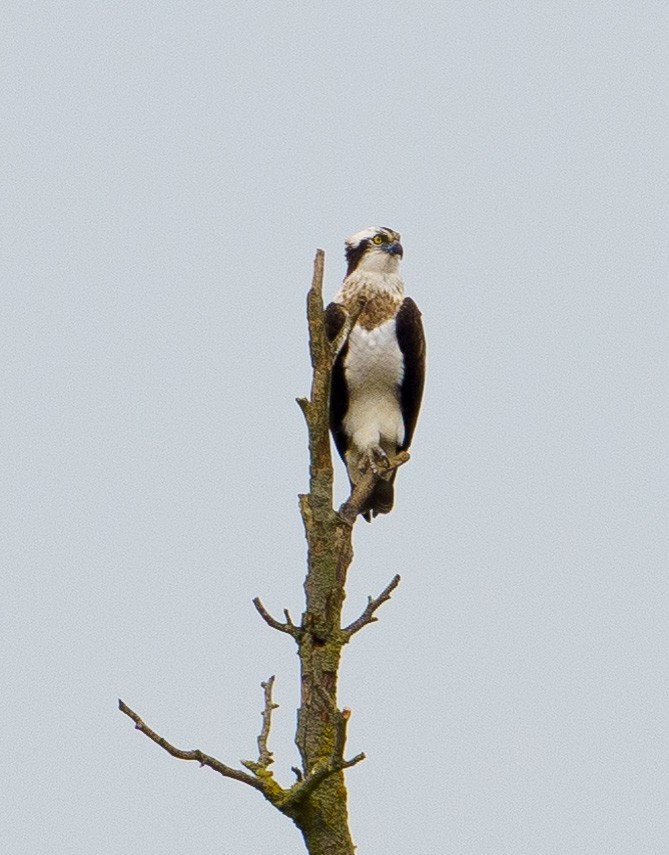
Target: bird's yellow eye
[{"x": 377, "y": 239}]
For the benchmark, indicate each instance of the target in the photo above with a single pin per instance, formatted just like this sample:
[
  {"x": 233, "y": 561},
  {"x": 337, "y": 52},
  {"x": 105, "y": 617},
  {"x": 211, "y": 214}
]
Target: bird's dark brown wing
[
  {"x": 411, "y": 339},
  {"x": 335, "y": 315}
]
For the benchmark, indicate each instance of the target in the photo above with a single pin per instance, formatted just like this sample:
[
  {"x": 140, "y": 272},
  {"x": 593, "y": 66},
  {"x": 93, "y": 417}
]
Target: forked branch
[
  {"x": 300, "y": 791},
  {"x": 288, "y": 627},
  {"x": 368, "y": 616}
]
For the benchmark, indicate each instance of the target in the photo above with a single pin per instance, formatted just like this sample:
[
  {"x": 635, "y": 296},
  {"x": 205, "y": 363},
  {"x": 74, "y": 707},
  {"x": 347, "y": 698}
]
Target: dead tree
[{"x": 317, "y": 801}]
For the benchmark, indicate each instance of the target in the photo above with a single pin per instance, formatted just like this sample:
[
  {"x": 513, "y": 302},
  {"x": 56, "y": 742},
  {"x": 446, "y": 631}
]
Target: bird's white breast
[{"x": 374, "y": 367}]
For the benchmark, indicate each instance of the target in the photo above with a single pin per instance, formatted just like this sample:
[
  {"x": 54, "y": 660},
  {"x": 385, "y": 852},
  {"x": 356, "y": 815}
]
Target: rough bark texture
[{"x": 321, "y": 726}]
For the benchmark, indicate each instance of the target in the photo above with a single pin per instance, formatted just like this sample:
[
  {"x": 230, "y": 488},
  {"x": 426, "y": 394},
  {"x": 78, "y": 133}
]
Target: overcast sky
[{"x": 167, "y": 171}]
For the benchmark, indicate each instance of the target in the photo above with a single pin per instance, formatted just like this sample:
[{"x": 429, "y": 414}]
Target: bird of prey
[{"x": 378, "y": 376}]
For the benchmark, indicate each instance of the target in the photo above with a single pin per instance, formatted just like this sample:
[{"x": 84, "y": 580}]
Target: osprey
[{"x": 377, "y": 378}]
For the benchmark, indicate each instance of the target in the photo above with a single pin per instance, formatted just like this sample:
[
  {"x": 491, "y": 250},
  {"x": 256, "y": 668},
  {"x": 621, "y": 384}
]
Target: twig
[
  {"x": 368, "y": 615},
  {"x": 315, "y": 310},
  {"x": 197, "y": 755},
  {"x": 289, "y": 627},
  {"x": 303, "y": 404},
  {"x": 265, "y": 757},
  {"x": 349, "y": 322},
  {"x": 323, "y": 772},
  {"x": 300, "y": 791},
  {"x": 363, "y": 489}
]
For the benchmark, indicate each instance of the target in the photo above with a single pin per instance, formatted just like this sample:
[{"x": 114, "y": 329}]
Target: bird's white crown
[{"x": 368, "y": 234}]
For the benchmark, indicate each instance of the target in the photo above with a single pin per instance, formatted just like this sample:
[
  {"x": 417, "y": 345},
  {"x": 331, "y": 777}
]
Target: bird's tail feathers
[{"x": 380, "y": 501}]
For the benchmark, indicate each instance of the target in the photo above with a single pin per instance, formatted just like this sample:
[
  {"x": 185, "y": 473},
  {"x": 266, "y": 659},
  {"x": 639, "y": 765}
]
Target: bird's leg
[{"x": 375, "y": 458}]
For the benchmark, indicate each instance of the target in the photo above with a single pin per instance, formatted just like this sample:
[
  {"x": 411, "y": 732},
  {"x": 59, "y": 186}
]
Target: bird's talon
[{"x": 375, "y": 459}]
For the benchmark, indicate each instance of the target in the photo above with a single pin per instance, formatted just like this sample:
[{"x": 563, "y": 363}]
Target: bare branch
[
  {"x": 303, "y": 789},
  {"x": 316, "y": 408},
  {"x": 340, "y": 735},
  {"x": 303, "y": 404},
  {"x": 265, "y": 757},
  {"x": 323, "y": 772},
  {"x": 315, "y": 310},
  {"x": 289, "y": 627},
  {"x": 368, "y": 615},
  {"x": 363, "y": 489},
  {"x": 289, "y": 620},
  {"x": 197, "y": 755},
  {"x": 342, "y": 336}
]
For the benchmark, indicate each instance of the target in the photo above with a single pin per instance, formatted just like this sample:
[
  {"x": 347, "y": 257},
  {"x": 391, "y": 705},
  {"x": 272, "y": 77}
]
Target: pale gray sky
[{"x": 167, "y": 171}]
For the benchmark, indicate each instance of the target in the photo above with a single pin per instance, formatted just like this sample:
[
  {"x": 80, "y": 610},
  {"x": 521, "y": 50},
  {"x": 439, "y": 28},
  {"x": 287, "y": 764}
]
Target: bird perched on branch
[{"x": 378, "y": 376}]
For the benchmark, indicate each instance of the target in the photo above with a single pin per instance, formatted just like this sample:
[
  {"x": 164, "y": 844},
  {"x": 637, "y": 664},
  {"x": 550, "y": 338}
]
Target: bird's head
[{"x": 375, "y": 250}]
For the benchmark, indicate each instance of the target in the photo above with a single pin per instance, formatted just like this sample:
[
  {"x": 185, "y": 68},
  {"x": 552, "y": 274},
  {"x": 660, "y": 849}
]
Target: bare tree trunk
[{"x": 321, "y": 726}]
